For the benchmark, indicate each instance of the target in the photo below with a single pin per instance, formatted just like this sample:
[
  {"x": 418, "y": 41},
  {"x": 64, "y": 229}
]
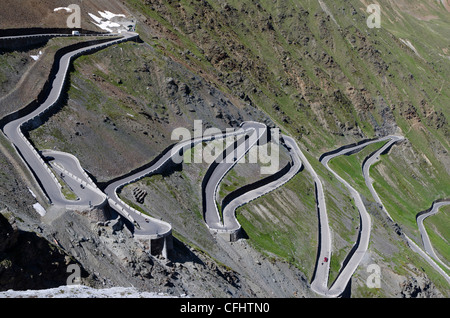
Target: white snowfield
[
  {"x": 36, "y": 57},
  {"x": 80, "y": 291},
  {"x": 105, "y": 21}
]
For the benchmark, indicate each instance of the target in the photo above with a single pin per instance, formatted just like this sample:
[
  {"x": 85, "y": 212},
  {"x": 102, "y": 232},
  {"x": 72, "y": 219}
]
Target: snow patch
[
  {"x": 409, "y": 44},
  {"x": 109, "y": 15},
  {"x": 36, "y": 57},
  {"x": 80, "y": 291},
  {"x": 32, "y": 193},
  {"x": 39, "y": 209},
  {"x": 95, "y": 18},
  {"x": 109, "y": 21},
  {"x": 62, "y": 8}
]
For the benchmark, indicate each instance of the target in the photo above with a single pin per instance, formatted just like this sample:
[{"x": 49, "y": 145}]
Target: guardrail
[
  {"x": 39, "y": 157},
  {"x": 54, "y": 35},
  {"x": 59, "y": 84},
  {"x": 84, "y": 184}
]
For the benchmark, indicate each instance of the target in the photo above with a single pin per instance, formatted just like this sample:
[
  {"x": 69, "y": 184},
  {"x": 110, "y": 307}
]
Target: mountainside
[{"x": 312, "y": 68}]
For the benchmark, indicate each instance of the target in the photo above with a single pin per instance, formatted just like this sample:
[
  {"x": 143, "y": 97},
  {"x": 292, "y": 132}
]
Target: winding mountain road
[
  {"x": 219, "y": 168},
  {"x": 371, "y": 160},
  {"x": 229, "y": 209},
  {"x": 147, "y": 225},
  {"x": 69, "y": 169},
  {"x": 144, "y": 225},
  {"x": 13, "y": 129},
  {"x": 65, "y": 163},
  {"x": 423, "y": 232},
  {"x": 88, "y": 193},
  {"x": 369, "y": 182},
  {"x": 320, "y": 281}
]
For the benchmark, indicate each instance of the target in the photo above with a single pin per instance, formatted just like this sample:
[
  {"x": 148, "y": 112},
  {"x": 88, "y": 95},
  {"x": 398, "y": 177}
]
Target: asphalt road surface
[
  {"x": 31, "y": 156},
  {"x": 70, "y": 171},
  {"x": 423, "y": 232},
  {"x": 230, "y": 156},
  {"x": 369, "y": 182},
  {"x": 146, "y": 225},
  {"x": 320, "y": 282},
  {"x": 228, "y": 210}
]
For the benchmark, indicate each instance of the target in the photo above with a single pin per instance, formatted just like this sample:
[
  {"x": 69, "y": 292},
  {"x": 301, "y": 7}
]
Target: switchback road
[{"x": 88, "y": 194}]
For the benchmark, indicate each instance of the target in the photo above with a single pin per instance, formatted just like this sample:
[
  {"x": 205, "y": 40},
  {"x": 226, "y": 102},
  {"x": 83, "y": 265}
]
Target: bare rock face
[
  {"x": 28, "y": 261},
  {"x": 97, "y": 214},
  {"x": 419, "y": 287},
  {"x": 8, "y": 234}
]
